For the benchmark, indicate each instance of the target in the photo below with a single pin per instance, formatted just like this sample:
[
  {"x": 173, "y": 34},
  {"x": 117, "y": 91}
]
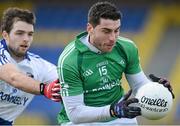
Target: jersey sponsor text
[{"x": 13, "y": 99}]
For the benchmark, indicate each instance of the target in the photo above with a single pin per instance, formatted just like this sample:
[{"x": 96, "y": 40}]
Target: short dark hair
[
  {"x": 104, "y": 10},
  {"x": 13, "y": 14}
]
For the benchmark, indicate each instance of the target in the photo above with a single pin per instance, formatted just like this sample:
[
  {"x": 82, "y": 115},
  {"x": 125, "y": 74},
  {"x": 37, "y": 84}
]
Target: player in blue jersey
[
  {"x": 90, "y": 71},
  {"x": 22, "y": 74}
]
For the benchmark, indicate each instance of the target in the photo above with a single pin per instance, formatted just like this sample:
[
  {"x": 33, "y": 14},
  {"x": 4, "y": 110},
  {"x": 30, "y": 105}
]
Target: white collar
[{"x": 85, "y": 41}]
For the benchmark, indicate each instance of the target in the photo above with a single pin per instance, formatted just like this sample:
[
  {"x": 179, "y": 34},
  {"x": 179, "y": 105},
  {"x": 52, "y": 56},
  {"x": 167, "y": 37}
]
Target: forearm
[
  {"x": 137, "y": 80},
  {"x": 10, "y": 74},
  {"x": 79, "y": 113}
]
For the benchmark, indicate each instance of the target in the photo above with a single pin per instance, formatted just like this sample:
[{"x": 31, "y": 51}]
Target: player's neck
[{"x": 16, "y": 57}]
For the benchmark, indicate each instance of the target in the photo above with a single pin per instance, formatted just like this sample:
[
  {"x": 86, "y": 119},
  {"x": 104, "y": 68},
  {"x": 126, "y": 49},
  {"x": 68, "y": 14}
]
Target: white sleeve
[
  {"x": 136, "y": 80},
  {"x": 79, "y": 113},
  {"x": 48, "y": 71}
]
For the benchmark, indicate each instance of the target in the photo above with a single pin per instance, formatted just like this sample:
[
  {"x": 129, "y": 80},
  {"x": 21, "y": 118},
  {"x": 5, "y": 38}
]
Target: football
[{"x": 155, "y": 100}]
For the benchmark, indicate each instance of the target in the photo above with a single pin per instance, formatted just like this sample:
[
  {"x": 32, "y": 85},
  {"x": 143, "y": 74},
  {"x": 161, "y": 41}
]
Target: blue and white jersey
[{"x": 12, "y": 100}]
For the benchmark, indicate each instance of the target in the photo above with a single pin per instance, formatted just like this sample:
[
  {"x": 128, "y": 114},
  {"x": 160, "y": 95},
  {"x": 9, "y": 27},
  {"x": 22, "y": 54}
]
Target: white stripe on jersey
[
  {"x": 33, "y": 55},
  {"x": 62, "y": 58},
  {"x": 66, "y": 52}
]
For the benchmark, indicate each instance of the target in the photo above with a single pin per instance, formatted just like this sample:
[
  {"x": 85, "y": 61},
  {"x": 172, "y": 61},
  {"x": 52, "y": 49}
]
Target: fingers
[
  {"x": 173, "y": 96},
  {"x": 134, "y": 109},
  {"x": 57, "y": 85},
  {"x": 130, "y": 101},
  {"x": 122, "y": 110},
  {"x": 56, "y": 81},
  {"x": 56, "y": 88},
  {"x": 132, "y": 112},
  {"x": 163, "y": 81},
  {"x": 56, "y": 100},
  {"x": 56, "y": 97},
  {"x": 56, "y": 92},
  {"x": 154, "y": 78},
  {"x": 167, "y": 84}
]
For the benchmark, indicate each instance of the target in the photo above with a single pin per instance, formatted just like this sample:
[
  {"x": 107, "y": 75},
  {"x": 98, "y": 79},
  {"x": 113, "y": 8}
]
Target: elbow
[
  {"x": 76, "y": 116},
  {"x": 75, "y": 119}
]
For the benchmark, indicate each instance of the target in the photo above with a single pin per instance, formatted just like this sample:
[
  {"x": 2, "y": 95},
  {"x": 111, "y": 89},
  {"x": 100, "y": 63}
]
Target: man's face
[
  {"x": 104, "y": 35},
  {"x": 20, "y": 38}
]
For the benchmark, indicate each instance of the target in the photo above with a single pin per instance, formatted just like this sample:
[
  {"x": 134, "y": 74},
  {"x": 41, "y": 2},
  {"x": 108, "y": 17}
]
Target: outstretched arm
[{"x": 10, "y": 74}]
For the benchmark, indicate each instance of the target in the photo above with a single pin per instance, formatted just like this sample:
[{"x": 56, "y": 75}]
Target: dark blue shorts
[{"x": 5, "y": 122}]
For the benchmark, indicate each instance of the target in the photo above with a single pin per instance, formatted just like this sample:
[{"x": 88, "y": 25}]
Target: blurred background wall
[{"x": 154, "y": 26}]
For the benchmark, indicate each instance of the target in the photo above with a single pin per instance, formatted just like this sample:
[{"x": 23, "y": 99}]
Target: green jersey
[{"x": 96, "y": 75}]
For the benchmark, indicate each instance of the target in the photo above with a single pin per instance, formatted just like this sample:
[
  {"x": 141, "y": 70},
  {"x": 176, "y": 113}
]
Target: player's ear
[
  {"x": 5, "y": 35},
  {"x": 89, "y": 28}
]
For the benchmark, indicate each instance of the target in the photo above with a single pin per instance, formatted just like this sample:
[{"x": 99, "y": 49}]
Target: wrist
[
  {"x": 111, "y": 110},
  {"x": 41, "y": 88}
]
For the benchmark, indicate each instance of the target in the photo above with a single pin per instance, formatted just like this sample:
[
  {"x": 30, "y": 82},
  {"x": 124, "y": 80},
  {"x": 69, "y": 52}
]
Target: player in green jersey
[{"x": 90, "y": 71}]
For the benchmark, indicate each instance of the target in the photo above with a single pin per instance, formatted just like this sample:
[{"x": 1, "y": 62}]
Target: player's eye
[
  {"x": 106, "y": 31},
  {"x": 116, "y": 31},
  {"x": 30, "y": 34},
  {"x": 19, "y": 33}
]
